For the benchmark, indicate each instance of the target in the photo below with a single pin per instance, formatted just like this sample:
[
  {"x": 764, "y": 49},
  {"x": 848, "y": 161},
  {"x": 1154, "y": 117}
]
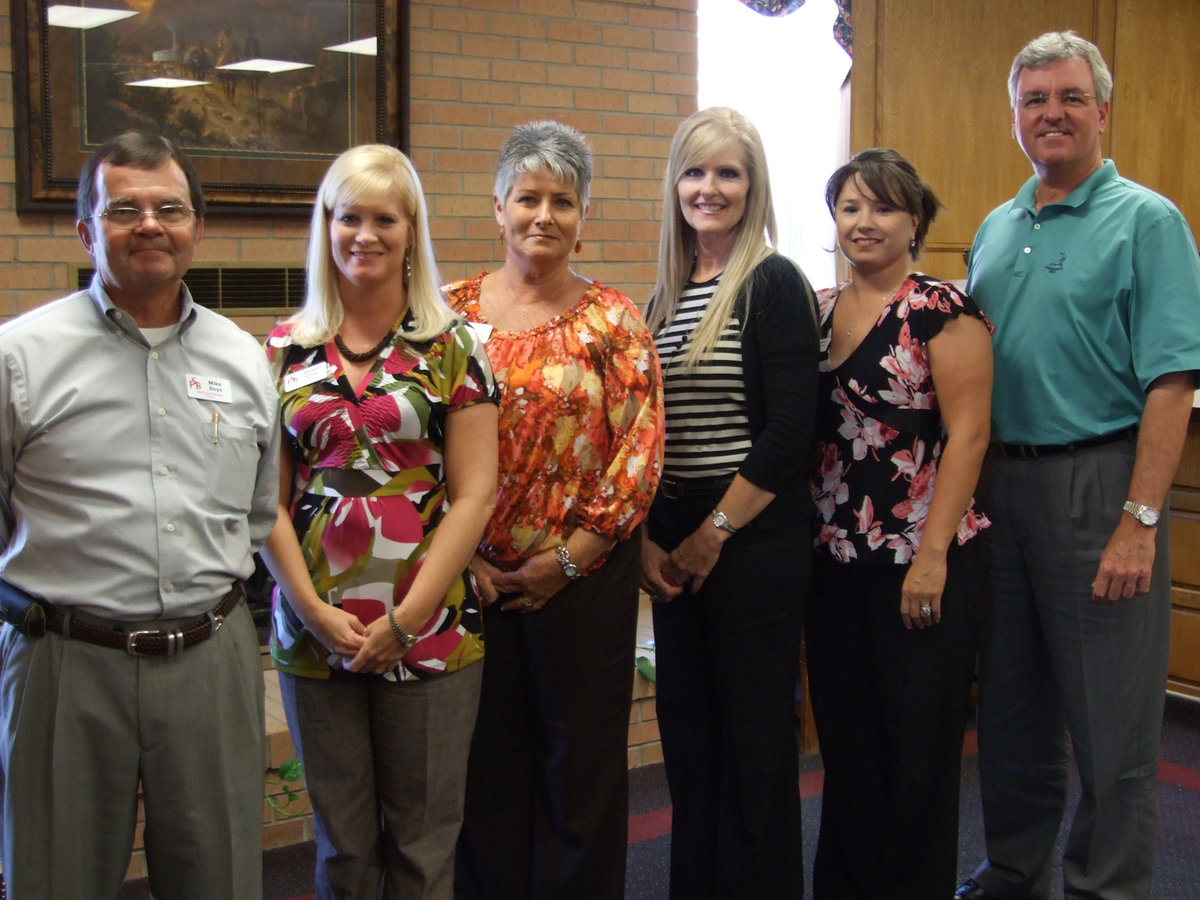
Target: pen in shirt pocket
[{"x": 216, "y": 424}]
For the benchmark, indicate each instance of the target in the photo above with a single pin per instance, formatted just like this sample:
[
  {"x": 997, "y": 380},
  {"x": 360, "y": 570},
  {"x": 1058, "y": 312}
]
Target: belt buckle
[
  {"x": 174, "y": 642},
  {"x": 131, "y": 643},
  {"x": 669, "y": 488}
]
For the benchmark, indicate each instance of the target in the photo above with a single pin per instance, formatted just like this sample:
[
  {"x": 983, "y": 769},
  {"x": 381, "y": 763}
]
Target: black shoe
[{"x": 970, "y": 890}]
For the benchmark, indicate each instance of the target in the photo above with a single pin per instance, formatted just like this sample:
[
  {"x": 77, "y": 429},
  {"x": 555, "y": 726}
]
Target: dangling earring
[
  {"x": 912, "y": 244},
  {"x": 407, "y": 265},
  {"x": 502, "y": 234},
  {"x": 578, "y": 245}
]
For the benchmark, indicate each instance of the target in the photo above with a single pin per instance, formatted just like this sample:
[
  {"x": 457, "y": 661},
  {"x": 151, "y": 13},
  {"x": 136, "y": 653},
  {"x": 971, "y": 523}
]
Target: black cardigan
[{"x": 780, "y": 355}]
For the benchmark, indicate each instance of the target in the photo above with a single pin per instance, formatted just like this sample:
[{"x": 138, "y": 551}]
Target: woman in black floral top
[{"x": 892, "y": 625}]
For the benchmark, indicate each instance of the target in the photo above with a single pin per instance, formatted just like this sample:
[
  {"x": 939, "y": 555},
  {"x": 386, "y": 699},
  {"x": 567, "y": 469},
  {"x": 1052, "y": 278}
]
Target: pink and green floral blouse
[
  {"x": 879, "y": 432},
  {"x": 581, "y": 423},
  {"x": 370, "y": 489}
]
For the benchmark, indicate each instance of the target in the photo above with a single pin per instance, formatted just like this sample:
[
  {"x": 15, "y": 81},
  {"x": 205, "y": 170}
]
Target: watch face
[{"x": 1147, "y": 517}]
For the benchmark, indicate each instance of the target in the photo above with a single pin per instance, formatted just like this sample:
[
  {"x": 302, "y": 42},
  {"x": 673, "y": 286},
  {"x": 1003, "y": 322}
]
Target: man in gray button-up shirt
[{"x": 139, "y": 449}]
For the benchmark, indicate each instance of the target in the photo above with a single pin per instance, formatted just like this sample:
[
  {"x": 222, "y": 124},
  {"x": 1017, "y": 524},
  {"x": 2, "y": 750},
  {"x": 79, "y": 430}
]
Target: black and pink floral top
[{"x": 879, "y": 433}]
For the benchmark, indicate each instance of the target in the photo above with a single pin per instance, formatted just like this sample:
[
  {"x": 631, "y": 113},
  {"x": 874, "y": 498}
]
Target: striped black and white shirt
[{"x": 708, "y": 432}]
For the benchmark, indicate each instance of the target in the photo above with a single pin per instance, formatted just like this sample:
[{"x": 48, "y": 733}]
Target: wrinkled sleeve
[
  {"x": 783, "y": 327},
  {"x": 9, "y": 377},
  {"x": 634, "y": 411},
  {"x": 940, "y": 303},
  {"x": 264, "y": 506},
  {"x": 473, "y": 381},
  {"x": 1164, "y": 315}
]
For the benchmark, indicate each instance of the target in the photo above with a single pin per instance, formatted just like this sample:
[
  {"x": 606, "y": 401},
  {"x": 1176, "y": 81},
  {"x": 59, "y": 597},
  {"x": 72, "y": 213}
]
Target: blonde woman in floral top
[
  {"x": 892, "y": 625},
  {"x": 580, "y": 448},
  {"x": 388, "y": 475}
]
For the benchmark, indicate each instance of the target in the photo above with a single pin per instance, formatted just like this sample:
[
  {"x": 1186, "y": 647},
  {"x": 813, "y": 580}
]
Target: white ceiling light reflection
[
  {"x": 269, "y": 66},
  {"x": 78, "y": 17},
  {"x": 165, "y": 83},
  {"x": 364, "y": 47}
]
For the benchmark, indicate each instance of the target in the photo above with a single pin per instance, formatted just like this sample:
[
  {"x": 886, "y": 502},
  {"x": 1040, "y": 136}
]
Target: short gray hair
[
  {"x": 1057, "y": 46},
  {"x": 546, "y": 146}
]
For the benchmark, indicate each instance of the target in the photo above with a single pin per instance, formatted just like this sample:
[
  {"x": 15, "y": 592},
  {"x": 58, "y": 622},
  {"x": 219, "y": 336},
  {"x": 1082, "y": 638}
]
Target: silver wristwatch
[
  {"x": 564, "y": 559},
  {"x": 407, "y": 641},
  {"x": 1146, "y": 515},
  {"x": 722, "y": 521}
]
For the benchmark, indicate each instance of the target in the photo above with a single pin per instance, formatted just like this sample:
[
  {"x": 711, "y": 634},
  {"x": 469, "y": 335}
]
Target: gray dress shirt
[{"x": 135, "y": 481}]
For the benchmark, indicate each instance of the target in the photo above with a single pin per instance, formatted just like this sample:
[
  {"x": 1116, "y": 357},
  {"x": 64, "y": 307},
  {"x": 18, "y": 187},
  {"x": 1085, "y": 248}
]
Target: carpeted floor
[{"x": 288, "y": 871}]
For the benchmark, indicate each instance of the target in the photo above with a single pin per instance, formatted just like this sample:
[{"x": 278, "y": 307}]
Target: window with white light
[{"x": 785, "y": 74}]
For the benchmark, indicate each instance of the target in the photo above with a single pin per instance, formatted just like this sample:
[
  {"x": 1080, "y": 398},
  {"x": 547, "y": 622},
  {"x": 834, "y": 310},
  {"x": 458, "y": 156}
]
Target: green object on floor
[{"x": 646, "y": 668}]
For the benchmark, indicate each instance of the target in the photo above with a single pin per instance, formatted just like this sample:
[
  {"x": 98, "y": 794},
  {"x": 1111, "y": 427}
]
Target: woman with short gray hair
[{"x": 581, "y": 435}]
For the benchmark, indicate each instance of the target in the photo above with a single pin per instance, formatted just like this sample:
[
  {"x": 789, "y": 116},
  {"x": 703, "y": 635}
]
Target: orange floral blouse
[{"x": 581, "y": 423}]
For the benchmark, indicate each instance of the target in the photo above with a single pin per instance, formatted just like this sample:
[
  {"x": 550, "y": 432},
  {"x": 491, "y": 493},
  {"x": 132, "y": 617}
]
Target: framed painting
[{"x": 260, "y": 94}]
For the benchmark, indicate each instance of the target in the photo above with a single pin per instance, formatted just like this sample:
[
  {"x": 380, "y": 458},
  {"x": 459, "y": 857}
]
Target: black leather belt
[
  {"x": 1033, "y": 451},
  {"x": 677, "y": 488},
  {"x": 146, "y": 643}
]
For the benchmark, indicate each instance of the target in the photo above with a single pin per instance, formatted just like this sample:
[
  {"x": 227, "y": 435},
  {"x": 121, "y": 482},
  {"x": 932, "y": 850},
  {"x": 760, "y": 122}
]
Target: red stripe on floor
[
  {"x": 1180, "y": 775},
  {"x": 647, "y": 825},
  {"x": 971, "y": 743},
  {"x": 812, "y": 784}
]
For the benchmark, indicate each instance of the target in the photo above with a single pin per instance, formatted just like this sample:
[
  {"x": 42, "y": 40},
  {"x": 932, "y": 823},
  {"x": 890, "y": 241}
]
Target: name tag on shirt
[
  {"x": 310, "y": 375},
  {"x": 205, "y": 387}
]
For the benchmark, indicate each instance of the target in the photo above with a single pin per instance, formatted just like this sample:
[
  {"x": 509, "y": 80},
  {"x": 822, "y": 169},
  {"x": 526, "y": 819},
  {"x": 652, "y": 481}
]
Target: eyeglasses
[
  {"x": 1071, "y": 99},
  {"x": 167, "y": 215}
]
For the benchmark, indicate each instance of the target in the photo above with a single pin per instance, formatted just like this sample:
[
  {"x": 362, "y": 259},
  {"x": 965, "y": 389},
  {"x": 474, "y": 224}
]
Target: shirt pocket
[{"x": 230, "y": 464}]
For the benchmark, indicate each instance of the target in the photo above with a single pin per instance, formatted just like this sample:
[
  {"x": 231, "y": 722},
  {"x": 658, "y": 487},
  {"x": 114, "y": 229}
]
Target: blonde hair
[
  {"x": 369, "y": 173},
  {"x": 702, "y": 135}
]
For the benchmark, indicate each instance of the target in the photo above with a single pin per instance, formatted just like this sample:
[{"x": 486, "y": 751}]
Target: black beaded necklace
[{"x": 353, "y": 357}]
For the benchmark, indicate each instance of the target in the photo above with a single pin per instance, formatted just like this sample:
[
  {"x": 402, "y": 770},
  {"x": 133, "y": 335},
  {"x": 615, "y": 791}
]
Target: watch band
[
  {"x": 722, "y": 521},
  {"x": 1146, "y": 516},
  {"x": 564, "y": 559},
  {"x": 407, "y": 641}
]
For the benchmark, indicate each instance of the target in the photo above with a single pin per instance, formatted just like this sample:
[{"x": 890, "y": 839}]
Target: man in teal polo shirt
[{"x": 1093, "y": 285}]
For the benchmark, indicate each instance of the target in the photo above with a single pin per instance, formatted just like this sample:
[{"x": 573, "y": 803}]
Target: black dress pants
[
  {"x": 891, "y": 707},
  {"x": 547, "y": 807},
  {"x": 727, "y": 659}
]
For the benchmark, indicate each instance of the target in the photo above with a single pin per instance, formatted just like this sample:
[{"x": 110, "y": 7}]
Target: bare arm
[
  {"x": 472, "y": 435},
  {"x": 1128, "y": 559},
  {"x": 338, "y": 631},
  {"x": 960, "y": 363}
]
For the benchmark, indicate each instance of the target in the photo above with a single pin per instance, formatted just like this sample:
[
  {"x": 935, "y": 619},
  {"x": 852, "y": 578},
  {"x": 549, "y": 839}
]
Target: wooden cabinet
[{"x": 1184, "y": 664}]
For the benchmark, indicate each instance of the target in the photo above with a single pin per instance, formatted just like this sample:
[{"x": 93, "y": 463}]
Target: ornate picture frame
[{"x": 260, "y": 94}]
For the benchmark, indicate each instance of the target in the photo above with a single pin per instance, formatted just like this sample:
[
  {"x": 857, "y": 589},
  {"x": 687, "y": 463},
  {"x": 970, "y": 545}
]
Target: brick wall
[{"x": 622, "y": 71}]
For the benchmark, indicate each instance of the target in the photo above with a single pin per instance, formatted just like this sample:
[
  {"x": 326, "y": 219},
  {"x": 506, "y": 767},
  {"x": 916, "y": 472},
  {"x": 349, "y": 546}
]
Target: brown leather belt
[{"x": 146, "y": 643}]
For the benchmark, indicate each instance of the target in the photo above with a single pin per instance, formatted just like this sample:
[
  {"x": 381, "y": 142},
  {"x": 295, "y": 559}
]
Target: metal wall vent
[{"x": 237, "y": 290}]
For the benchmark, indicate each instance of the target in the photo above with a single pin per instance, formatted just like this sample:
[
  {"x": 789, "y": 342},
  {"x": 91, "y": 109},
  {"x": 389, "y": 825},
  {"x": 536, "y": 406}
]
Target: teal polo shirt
[{"x": 1092, "y": 299}]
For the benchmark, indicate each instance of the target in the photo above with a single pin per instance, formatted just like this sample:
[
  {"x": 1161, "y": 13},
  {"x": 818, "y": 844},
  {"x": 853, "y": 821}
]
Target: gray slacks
[
  {"x": 385, "y": 764},
  {"x": 79, "y": 724},
  {"x": 1065, "y": 675}
]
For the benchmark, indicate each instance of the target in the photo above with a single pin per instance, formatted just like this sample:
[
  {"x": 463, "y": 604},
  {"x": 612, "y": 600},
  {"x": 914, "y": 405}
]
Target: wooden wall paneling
[{"x": 1156, "y": 70}]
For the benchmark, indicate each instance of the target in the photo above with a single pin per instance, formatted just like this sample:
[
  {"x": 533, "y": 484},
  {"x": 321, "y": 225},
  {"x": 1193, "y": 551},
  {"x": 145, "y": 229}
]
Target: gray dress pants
[{"x": 1069, "y": 677}]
